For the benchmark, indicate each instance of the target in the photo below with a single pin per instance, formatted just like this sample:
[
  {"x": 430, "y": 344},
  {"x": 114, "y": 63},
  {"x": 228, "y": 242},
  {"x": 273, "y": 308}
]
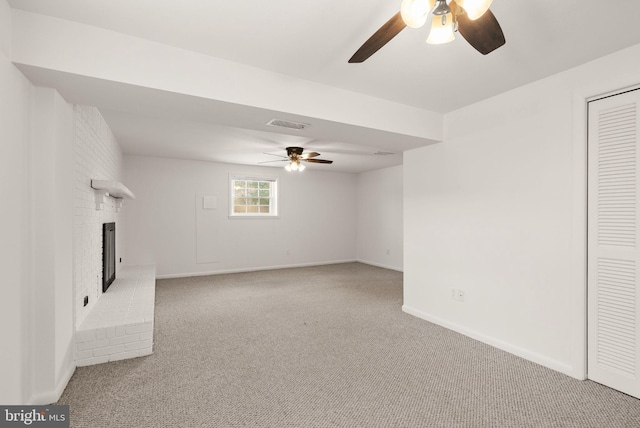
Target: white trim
[
  {"x": 252, "y": 217},
  {"x": 380, "y": 265},
  {"x": 254, "y": 177},
  {"x": 581, "y": 96},
  {"x": 253, "y": 269},
  {"x": 49, "y": 397},
  {"x": 496, "y": 343}
]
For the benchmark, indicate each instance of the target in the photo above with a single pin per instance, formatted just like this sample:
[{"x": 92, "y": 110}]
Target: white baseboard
[
  {"x": 497, "y": 343},
  {"x": 380, "y": 265},
  {"x": 49, "y": 397},
  {"x": 252, "y": 269}
]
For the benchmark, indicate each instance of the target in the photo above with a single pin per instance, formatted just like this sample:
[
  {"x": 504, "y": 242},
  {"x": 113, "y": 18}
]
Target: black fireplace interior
[{"x": 108, "y": 255}]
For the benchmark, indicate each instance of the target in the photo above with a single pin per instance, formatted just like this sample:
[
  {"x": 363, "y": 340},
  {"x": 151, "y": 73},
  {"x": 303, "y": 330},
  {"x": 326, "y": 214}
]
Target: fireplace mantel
[{"x": 114, "y": 189}]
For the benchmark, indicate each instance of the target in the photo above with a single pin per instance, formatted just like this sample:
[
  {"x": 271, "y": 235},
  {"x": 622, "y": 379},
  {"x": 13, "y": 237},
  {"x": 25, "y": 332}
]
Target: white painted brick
[
  {"x": 92, "y": 344},
  {"x": 111, "y": 332},
  {"x": 83, "y": 355},
  {"x": 108, "y": 350},
  {"x": 97, "y": 155},
  {"x": 114, "y": 319},
  {"x": 125, "y": 339},
  {"x": 147, "y": 335},
  {"x": 98, "y": 360},
  {"x": 129, "y": 354},
  {"x": 146, "y": 351},
  {"x": 139, "y": 328},
  {"x": 138, "y": 345}
]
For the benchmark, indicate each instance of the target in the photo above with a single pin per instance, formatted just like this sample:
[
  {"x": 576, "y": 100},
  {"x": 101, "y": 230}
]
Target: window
[{"x": 253, "y": 197}]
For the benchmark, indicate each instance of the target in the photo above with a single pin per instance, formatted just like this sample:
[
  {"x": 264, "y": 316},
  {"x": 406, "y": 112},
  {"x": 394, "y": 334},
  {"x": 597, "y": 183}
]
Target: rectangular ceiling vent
[
  {"x": 383, "y": 153},
  {"x": 287, "y": 124}
]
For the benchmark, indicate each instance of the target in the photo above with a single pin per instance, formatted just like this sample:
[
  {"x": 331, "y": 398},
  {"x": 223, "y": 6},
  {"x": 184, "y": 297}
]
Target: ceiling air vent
[
  {"x": 383, "y": 153},
  {"x": 287, "y": 124}
]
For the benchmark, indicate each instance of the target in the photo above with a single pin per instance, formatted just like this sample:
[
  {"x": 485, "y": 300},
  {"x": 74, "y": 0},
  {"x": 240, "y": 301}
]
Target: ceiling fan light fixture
[
  {"x": 442, "y": 30},
  {"x": 295, "y": 165},
  {"x": 475, "y": 8},
  {"x": 415, "y": 12},
  {"x": 441, "y": 8}
]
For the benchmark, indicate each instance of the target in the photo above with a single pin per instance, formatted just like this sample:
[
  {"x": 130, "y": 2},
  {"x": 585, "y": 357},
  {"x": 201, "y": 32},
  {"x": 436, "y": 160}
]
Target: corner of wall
[
  {"x": 497, "y": 343},
  {"x": 5, "y": 28}
]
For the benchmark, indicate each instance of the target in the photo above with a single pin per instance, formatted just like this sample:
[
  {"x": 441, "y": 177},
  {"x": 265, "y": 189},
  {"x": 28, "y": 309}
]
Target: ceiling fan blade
[
  {"x": 271, "y": 154},
  {"x": 317, "y": 160},
  {"x": 484, "y": 34},
  {"x": 380, "y": 38},
  {"x": 310, "y": 155},
  {"x": 279, "y": 160}
]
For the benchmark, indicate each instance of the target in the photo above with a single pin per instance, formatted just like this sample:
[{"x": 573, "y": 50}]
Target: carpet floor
[{"x": 325, "y": 346}]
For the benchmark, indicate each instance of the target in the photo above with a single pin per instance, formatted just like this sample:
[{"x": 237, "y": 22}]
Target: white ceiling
[{"x": 313, "y": 41}]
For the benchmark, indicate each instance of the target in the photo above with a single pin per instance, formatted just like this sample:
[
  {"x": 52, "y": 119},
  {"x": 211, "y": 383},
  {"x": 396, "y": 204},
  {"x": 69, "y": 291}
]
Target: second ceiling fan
[{"x": 471, "y": 18}]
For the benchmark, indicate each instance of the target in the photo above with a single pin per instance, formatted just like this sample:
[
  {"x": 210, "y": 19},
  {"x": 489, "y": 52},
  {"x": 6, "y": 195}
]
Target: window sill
[{"x": 253, "y": 217}]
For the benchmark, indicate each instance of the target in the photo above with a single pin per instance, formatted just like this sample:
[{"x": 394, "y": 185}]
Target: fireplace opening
[{"x": 108, "y": 255}]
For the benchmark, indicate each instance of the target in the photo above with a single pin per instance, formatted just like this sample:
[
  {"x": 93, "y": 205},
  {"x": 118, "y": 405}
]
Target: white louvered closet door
[{"x": 613, "y": 243}]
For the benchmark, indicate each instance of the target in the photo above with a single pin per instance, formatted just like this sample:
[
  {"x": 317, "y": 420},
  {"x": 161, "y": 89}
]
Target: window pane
[{"x": 253, "y": 197}]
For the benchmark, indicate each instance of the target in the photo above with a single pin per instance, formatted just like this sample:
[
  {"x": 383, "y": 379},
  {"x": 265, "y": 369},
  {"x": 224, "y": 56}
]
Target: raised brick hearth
[{"x": 120, "y": 325}]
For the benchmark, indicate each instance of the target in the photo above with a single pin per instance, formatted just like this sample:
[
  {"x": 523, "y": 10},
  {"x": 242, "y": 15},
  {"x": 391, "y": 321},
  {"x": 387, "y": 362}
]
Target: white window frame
[{"x": 273, "y": 207}]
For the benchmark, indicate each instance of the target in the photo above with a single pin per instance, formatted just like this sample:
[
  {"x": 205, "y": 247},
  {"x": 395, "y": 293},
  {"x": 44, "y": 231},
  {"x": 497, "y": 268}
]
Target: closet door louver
[{"x": 613, "y": 318}]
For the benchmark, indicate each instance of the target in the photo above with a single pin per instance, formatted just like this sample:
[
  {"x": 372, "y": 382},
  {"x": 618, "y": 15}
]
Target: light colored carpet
[{"x": 324, "y": 346}]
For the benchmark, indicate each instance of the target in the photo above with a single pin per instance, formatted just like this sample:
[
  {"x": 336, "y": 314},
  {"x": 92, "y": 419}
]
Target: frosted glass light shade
[
  {"x": 475, "y": 8},
  {"x": 301, "y": 167},
  {"x": 288, "y": 167},
  {"x": 415, "y": 12},
  {"x": 439, "y": 33}
]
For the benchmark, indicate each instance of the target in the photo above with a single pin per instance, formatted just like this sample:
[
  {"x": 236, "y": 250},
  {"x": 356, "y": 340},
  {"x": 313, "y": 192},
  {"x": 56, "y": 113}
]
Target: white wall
[
  {"x": 97, "y": 155},
  {"x": 380, "y": 218},
  {"x": 317, "y": 221},
  {"x": 51, "y": 295},
  {"x": 14, "y": 222},
  {"x": 36, "y": 320},
  {"x": 498, "y": 210}
]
